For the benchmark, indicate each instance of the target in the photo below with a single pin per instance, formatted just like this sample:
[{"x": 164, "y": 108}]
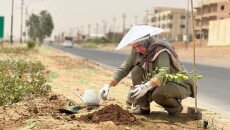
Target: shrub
[
  {"x": 19, "y": 79},
  {"x": 31, "y": 45}
]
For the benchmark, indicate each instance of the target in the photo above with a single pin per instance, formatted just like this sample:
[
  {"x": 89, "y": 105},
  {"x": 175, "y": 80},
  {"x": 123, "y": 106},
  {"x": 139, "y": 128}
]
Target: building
[
  {"x": 209, "y": 10},
  {"x": 219, "y": 32},
  {"x": 176, "y": 22}
]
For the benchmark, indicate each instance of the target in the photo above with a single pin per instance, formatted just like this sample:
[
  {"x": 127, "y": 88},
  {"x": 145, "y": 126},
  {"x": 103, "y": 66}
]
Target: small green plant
[
  {"x": 31, "y": 45},
  {"x": 19, "y": 78},
  {"x": 178, "y": 77},
  {"x": 52, "y": 75}
]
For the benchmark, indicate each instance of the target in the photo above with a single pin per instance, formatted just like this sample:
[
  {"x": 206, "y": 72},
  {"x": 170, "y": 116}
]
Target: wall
[{"x": 219, "y": 32}]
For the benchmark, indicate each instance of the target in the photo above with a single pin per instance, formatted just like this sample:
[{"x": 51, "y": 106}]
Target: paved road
[{"x": 213, "y": 89}]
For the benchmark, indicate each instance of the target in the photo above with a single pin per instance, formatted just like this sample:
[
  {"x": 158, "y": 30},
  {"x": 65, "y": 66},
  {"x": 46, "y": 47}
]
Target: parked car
[{"x": 68, "y": 43}]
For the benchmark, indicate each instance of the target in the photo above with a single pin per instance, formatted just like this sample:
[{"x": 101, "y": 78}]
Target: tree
[
  {"x": 33, "y": 24},
  {"x": 40, "y": 26}
]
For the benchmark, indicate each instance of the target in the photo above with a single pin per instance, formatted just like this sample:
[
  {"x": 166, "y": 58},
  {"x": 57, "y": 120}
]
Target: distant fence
[{"x": 219, "y": 33}]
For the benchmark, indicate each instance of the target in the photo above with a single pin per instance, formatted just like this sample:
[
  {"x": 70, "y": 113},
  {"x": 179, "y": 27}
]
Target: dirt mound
[
  {"x": 112, "y": 113},
  {"x": 31, "y": 107}
]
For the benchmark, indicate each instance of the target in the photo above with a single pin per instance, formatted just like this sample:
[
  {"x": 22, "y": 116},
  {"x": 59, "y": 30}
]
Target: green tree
[
  {"x": 33, "y": 24},
  {"x": 40, "y": 26}
]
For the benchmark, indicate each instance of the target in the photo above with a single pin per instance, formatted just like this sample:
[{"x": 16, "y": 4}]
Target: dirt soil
[
  {"x": 69, "y": 73},
  {"x": 113, "y": 113}
]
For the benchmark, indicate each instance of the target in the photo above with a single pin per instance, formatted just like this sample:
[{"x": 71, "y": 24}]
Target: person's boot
[
  {"x": 137, "y": 110},
  {"x": 178, "y": 112}
]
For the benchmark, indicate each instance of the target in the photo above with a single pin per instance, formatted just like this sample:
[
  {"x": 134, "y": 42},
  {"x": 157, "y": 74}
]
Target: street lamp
[{"x": 12, "y": 18}]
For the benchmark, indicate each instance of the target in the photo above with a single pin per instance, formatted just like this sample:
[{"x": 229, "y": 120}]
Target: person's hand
[
  {"x": 140, "y": 90},
  {"x": 104, "y": 91}
]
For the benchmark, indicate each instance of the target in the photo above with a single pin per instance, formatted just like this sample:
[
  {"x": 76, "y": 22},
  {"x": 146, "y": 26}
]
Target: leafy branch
[{"x": 162, "y": 74}]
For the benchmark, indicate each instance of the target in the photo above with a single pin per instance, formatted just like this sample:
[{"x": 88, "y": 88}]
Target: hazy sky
[{"x": 78, "y": 14}]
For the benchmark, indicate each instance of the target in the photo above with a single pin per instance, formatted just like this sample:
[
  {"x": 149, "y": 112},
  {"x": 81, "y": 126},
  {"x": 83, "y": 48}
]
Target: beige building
[
  {"x": 219, "y": 32},
  {"x": 176, "y": 22},
  {"x": 209, "y": 10}
]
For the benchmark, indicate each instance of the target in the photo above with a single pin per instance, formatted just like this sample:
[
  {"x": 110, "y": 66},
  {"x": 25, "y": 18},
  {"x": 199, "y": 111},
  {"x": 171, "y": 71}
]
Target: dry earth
[{"x": 75, "y": 74}]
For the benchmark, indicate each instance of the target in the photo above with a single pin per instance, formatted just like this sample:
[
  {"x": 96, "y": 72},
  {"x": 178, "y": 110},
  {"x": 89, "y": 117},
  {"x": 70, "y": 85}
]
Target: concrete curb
[{"x": 212, "y": 121}]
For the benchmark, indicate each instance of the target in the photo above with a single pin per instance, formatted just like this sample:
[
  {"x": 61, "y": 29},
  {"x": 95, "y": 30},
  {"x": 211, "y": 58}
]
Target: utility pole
[
  {"x": 158, "y": 12},
  {"x": 82, "y": 30},
  {"x": 97, "y": 32},
  {"x": 12, "y": 19},
  {"x": 103, "y": 27},
  {"x": 22, "y": 4},
  {"x": 89, "y": 30},
  {"x": 114, "y": 28},
  {"x": 181, "y": 26},
  {"x": 159, "y": 18},
  {"x": 144, "y": 20},
  {"x": 62, "y": 36},
  {"x": 124, "y": 17},
  {"x": 201, "y": 23},
  {"x": 82, "y": 33},
  {"x": 78, "y": 34},
  {"x": 187, "y": 26},
  {"x": 147, "y": 13},
  {"x": 70, "y": 31},
  {"x": 25, "y": 24},
  {"x": 135, "y": 17}
]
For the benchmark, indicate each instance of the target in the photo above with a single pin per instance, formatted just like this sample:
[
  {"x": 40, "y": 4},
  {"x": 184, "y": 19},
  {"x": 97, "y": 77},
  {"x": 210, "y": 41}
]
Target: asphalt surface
[{"x": 213, "y": 90}]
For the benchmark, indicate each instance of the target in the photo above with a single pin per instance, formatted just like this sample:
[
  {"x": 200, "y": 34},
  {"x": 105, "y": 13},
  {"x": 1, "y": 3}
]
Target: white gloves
[
  {"x": 104, "y": 91},
  {"x": 140, "y": 90}
]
